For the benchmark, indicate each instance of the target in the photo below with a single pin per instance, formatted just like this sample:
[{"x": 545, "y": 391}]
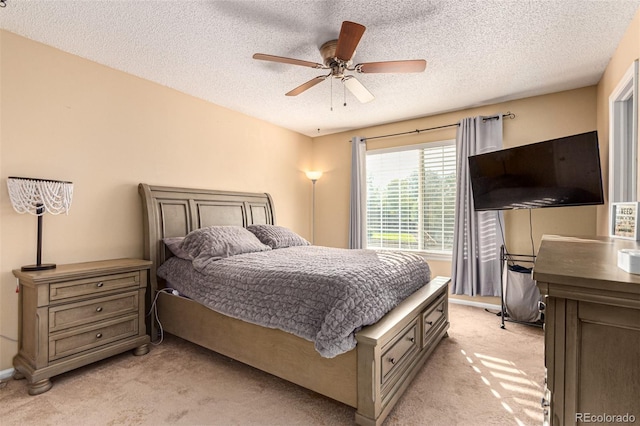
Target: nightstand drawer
[
  {"x": 70, "y": 290},
  {"x": 80, "y": 339},
  {"x": 80, "y": 313}
]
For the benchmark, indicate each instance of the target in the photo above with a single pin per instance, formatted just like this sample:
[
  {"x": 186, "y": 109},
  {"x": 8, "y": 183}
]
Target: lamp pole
[{"x": 313, "y": 212}]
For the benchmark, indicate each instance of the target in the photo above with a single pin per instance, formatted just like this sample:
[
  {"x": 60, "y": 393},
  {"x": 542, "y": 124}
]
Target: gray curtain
[
  {"x": 358, "y": 200},
  {"x": 477, "y": 236}
]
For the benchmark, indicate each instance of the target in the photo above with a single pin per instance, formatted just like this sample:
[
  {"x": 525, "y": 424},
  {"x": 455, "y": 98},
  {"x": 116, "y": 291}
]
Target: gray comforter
[{"x": 321, "y": 294}]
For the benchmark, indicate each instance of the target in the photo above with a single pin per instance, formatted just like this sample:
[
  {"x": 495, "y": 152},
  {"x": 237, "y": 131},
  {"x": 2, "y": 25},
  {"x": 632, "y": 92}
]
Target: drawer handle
[
  {"x": 429, "y": 322},
  {"x": 99, "y": 309},
  {"x": 412, "y": 339},
  {"x": 392, "y": 361},
  {"x": 98, "y": 336},
  {"x": 100, "y": 284},
  {"x": 441, "y": 310}
]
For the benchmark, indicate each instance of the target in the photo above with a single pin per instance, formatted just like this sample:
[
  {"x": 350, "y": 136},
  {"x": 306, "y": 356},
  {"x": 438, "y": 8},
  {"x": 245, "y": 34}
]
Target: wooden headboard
[{"x": 174, "y": 212}]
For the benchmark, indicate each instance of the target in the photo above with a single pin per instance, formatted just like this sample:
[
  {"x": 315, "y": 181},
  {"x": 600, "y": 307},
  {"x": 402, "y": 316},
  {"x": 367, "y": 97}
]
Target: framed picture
[{"x": 624, "y": 220}]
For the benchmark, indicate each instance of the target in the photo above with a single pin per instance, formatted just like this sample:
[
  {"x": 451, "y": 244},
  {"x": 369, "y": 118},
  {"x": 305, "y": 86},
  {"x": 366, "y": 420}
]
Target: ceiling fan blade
[
  {"x": 358, "y": 90},
  {"x": 281, "y": 59},
  {"x": 308, "y": 85},
  {"x": 350, "y": 35},
  {"x": 417, "y": 65}
]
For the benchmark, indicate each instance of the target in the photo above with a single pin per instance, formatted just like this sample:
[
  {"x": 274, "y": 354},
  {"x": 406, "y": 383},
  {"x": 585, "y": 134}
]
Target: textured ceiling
[{"x": 477, "y": 52}]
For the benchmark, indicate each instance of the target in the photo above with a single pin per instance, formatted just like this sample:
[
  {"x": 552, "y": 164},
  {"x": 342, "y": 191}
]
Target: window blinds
[{"x": 411, "y": 198}]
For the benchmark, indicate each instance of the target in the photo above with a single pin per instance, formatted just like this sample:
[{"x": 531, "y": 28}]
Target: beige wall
[
  {"x": 67, "y": 118},
  {"x": 627, "y": 51},
  {"x": 537, "y": 118}
]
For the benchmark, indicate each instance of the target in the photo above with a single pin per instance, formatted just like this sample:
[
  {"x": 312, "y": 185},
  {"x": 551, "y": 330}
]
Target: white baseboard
[
  {"x": 5, "y": 374},
  {"x": 475, "y": 304}
]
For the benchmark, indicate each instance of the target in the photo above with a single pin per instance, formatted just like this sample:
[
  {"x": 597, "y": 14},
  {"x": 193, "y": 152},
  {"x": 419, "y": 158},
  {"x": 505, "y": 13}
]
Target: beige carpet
[{"x": 480, "y": 375}]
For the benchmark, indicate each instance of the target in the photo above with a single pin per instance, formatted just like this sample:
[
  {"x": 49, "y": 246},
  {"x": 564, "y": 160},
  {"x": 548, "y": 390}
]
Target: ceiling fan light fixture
[{"x": 328, "y": 52}]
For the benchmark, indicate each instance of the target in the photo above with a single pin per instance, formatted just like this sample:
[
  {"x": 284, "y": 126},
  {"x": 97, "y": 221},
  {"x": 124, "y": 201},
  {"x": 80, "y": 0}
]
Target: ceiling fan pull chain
[
  {"x": 344, "y": 94},
  {"x": 331, "y": 93}
]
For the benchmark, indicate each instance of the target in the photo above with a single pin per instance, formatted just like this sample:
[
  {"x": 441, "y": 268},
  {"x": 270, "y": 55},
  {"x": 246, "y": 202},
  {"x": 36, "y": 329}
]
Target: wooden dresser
[
  {"x": 77, "y": 314},
  {"x": 592, "y": 330}
]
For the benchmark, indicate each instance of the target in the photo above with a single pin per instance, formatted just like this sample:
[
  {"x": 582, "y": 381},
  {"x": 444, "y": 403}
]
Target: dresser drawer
[
  {"x": 400, "y": 350},
  {"x": 70, "y": 290},
  {"x": 80, "y": 313},
  {"x": 72, "y": 341},
  {"x": 432, "y": 318}
]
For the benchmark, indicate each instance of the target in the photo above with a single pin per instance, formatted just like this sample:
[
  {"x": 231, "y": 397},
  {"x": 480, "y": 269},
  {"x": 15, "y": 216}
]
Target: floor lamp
[
  {"x": 38, "y": 196},
  {"x": 313, "y": 176}
]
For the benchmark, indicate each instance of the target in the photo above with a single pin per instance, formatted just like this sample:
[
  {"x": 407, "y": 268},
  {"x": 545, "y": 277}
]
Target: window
[
  {"x": 411, "y": 197},
  {"x": 623, "y": 141}
]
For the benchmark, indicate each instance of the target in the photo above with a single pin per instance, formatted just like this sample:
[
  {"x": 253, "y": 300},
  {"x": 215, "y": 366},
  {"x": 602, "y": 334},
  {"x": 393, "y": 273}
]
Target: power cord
[
  {"x": 8, "y": 338},
  {"x": 533, "y": 249},
  {"x": 154, "y": 309}
]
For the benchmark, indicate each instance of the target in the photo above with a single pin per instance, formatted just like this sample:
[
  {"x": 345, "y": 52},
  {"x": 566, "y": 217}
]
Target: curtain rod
[{"x": 509, "y": 114}]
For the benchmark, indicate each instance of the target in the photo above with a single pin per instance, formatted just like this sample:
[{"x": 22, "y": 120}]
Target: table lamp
[{"x": 37, "y": 196}]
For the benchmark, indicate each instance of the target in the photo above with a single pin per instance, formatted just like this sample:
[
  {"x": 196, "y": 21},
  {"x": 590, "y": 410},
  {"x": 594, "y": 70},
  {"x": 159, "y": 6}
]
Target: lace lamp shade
[{"x": 38, "y": 196}]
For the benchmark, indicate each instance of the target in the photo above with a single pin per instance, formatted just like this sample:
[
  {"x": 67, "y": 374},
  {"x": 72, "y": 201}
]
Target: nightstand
[{"x": 77, "y": 314}]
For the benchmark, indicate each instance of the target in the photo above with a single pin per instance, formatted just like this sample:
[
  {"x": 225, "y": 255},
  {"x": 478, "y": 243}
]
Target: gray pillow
[
  {"x": 175, "y": 245},
  {"x": 277, "y": 236},
  {"x": 217, "y": 242}
]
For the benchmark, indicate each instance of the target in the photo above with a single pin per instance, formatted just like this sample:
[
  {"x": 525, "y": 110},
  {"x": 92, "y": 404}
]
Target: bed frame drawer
[
  {"x": 432, "y": 319},
  {"x": 399, "y": 351}
]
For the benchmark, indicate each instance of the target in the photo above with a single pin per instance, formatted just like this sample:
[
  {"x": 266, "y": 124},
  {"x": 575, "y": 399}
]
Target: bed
[{"x": 371, "y": 377}]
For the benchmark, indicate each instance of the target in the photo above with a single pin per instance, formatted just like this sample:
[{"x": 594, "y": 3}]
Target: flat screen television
[{"x": 555, "y": 173}]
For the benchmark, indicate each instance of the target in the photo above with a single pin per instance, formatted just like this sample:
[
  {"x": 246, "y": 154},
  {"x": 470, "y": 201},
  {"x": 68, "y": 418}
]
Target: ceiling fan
[{"x": 337, "y": 57}]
